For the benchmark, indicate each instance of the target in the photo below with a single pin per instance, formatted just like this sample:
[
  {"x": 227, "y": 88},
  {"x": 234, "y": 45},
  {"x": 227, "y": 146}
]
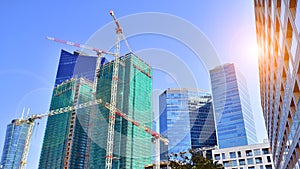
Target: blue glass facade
[
  {"x": 66, "y": 138},
  {"x": 13, "y": 145},
  {"x": 186, "y": 119},
  {"x": 233, "y": 116},
  {"x": 76, "y": 65}
]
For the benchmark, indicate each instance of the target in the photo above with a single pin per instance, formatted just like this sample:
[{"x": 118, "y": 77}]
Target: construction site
[{"x": 99, "y": 119}]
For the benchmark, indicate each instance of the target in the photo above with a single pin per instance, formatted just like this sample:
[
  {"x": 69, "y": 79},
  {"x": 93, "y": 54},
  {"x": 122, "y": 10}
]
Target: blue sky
[{"x": 29, "y": 62}]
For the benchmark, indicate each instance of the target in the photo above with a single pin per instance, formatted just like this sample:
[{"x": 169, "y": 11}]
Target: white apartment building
[{"x": 257, "y": 156}]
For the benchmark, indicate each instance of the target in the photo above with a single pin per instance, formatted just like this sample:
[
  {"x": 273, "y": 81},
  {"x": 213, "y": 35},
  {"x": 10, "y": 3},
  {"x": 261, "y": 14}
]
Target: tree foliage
[{"x": 192, "y": 159}]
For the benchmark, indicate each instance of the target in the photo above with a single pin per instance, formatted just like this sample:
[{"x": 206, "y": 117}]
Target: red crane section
[
  {"x": 145, "y": 128},
  {"x": 99, "y": 51}
]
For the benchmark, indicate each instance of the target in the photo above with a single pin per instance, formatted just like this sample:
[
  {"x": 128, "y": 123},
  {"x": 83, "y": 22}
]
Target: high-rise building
[
  {"x": 78, "y": 139},
  {"x": 65, "y": 142},
  {"x": 14, "y": 145},
  {"x": 233, "y": 116},
  {"x": 186, "y": 119},
  {"x": 277, "y": 29},
  {"x": 132, "y": 145}
]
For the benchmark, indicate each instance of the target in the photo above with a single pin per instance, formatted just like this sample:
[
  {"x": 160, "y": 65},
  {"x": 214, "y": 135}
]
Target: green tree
[{"x": 192, "y": 159}]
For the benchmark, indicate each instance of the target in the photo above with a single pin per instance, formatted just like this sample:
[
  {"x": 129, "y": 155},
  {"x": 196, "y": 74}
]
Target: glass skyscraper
[
  {"x": 186, "y": 119},
  {"x": 76, "y": 65},
  {"x": 277, "y": 30},
  {"x": 233, "y": 115},
  {"x": 14, "y": 145}
]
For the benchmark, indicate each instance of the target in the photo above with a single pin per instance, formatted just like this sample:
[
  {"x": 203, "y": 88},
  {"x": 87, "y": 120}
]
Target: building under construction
[
  {"x": 132, "y": 145},
  {"x": 78, "y": 139},
  {"x": 66, "y": 136}
]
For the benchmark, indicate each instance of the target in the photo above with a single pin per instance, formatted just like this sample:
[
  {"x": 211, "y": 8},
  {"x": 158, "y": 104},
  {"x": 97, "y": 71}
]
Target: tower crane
[
  {"x": 114, "y": 85},
  {"x": 113, "y": 97},
  {"x": 112, "y": 106},
  {"x": 31, "y": 120}
]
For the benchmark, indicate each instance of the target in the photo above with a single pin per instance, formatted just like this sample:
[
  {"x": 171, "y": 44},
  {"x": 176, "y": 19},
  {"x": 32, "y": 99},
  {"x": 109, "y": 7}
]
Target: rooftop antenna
[
  {"x": 23, "y": 113},
  {"x": 28, "y": 110}
]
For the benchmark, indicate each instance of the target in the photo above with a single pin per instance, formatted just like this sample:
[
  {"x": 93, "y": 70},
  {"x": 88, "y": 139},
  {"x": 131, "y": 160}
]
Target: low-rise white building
[{"x": 257, "y": 156}]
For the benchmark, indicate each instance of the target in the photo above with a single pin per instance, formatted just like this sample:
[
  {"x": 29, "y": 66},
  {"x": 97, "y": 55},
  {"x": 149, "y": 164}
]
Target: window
[
  {"x": 251, "y": 167},
  {"x": 250, "y": 161},
  {"x": 223, "y": 155},
  {"x": 226, "y": 163},
  {"x": 232, "y": 155},
  {"x": 239, "y": 154},
  {"x": 256, "y": 152},
  {"x": 258, "y": 160},
  {"x": 249, "y": 153},
  {"x": 242, "y": 162},
  {"x": 268, "y": 166},
  {"x": 217, "y": 156},
  {"x": 233, "y": 163},
  {"x": 265, "y": 151},
  {"x": 261, "y": 167},
  {"x": 268, "y": 159}
]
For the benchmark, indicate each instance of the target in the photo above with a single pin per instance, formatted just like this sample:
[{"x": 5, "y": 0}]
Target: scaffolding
[
  {"x": 132, "y": 145},
  {"x": 67, "y": 132}
]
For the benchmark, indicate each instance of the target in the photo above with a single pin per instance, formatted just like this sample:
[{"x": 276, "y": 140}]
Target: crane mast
[
  {"x": 26, "y": 146},
  {"x": 113, "y": 97},
  {"x": 114, "y": 89}
]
